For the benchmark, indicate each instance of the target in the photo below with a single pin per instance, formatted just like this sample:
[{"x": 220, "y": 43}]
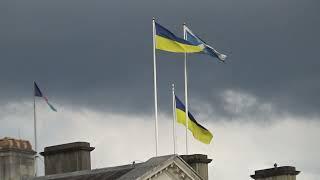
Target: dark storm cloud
[{"x": 98, "y": 54}]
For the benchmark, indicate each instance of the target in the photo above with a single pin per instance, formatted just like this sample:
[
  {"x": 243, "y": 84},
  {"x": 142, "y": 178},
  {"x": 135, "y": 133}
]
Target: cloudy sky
[{"x": 93, "y": 59}]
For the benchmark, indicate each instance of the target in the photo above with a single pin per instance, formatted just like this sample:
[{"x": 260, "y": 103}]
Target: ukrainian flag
[
  {"x": 167, "y": 41},
  {"x": 199, "y": 132},
  {"x": 192, "y": 38}
]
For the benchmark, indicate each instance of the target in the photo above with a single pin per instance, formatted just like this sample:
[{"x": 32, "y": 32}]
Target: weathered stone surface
[
  {"x": 11, "y": 143},
  {"x": 16, "y": 159},
  {"x": 67, "y": 158}
]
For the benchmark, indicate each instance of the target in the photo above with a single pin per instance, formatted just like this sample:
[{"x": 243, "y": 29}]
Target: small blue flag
[{"x": 38, "y": 93}]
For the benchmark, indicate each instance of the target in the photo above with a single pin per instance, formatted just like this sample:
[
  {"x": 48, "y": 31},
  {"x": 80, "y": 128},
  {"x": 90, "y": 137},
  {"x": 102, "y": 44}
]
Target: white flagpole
[
  {"x": 35, "y": 132},
  {"x": 174, "y": 119},
  {"x": 186, "y": 89},
  {"x": 155, "y": 85}
]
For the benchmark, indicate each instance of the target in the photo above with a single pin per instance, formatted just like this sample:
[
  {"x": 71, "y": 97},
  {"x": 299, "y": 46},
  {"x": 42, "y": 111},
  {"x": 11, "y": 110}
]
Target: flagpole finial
[
  {"x": 153, "y": 18},
  {"x": 184, "y": 23}
]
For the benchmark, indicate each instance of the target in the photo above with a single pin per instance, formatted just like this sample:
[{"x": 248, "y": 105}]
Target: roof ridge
[{"x": 88, "y": 172}]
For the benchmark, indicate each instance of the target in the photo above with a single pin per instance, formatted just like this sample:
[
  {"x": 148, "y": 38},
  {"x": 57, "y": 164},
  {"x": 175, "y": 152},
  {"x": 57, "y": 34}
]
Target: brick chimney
[
  {"x": 276, "y": 173},
  {"x": 67, "y": 158},
  {"x": 199, "y": 162},
  {"x": 16, "y": 159}
]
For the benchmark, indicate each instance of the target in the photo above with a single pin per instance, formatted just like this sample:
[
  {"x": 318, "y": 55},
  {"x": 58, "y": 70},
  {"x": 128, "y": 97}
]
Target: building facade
[
  {"x": 16, "y": 159},
  {"x": 72, "y": 161}
]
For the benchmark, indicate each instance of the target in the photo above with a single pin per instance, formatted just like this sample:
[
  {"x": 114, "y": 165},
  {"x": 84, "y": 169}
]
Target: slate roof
[
  {"x": 126, "y": 172},
  {"x": 143, "y": 168}
]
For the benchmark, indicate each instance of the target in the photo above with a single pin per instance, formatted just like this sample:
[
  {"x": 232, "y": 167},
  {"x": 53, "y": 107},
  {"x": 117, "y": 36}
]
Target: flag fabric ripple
[
  {"x": 167, "y": 41},
  {"x": 38, "y": 93},
  {"x": 191, "y": 37},
  {"x": 198, "y": 131}
]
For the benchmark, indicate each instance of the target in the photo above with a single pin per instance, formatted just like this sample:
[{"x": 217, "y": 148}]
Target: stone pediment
[{"x": 172, "y": 169}]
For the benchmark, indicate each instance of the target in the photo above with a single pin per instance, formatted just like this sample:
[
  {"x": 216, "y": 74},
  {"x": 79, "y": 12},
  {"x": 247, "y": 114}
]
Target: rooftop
[{"x": 125, "y": 172}]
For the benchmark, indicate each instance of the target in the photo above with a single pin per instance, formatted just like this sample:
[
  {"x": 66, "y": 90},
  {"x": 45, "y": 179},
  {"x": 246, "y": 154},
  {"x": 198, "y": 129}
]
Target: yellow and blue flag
[
  {"x": 167, "y": 41},
  {"x": 38, "y": 93},
  {"x": 192, "y": 38},
  {"x": 199, "y": 132}
]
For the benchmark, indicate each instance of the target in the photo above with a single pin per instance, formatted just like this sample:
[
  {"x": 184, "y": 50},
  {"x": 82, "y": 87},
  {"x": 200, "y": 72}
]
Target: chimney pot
[
  {"x": 199, "y": 162},
  {"x": 16, "y": 159},
  {"x": 277, "y": 173},
  {"x": 68, "y": 157}
]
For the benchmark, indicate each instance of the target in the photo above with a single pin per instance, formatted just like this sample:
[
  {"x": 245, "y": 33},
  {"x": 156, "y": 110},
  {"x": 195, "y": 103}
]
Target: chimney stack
[
  {"x": 67, "y": 158},
  {"x": 16, "y": 159},
  {"x": 199, "y": 162},
  {"x": 276, "y": 173}
]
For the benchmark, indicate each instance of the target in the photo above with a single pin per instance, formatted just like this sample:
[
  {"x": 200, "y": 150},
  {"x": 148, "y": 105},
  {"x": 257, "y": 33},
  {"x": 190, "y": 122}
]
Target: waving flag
[
  {"x": 38, "y": 93},
  {"x": 199, "y": 132},
  {"x": 167, "y": 41},
  {"x": 191, "y": 37}
]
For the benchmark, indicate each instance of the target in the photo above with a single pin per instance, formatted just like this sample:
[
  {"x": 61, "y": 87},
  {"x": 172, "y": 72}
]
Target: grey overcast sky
[{"x": 93, "y": 59}]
